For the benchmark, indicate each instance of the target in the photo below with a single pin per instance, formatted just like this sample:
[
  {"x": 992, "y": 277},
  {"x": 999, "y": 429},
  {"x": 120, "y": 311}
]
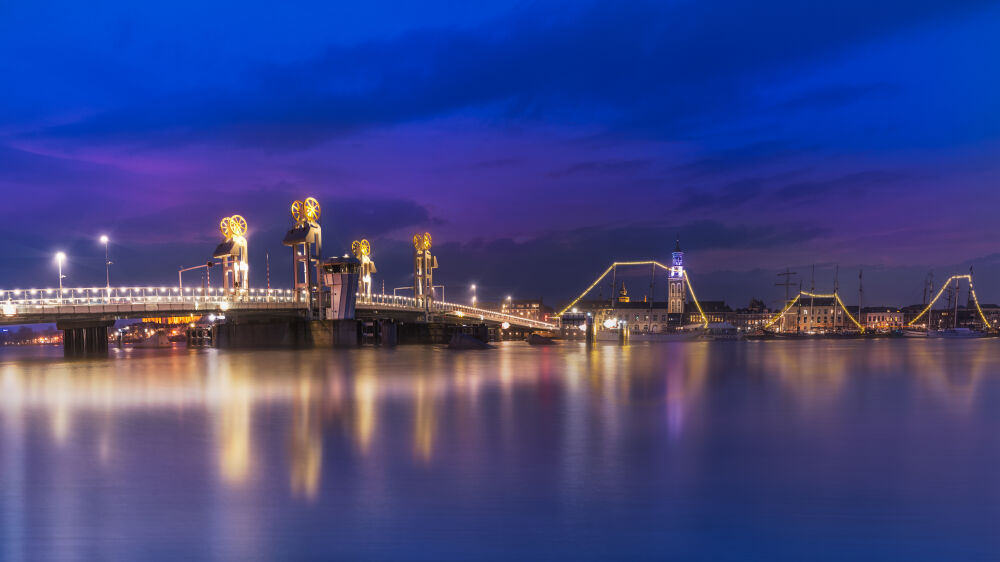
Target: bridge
[
  {"x": 41, "y": 306},
  {"x": 333, "y": 294}
]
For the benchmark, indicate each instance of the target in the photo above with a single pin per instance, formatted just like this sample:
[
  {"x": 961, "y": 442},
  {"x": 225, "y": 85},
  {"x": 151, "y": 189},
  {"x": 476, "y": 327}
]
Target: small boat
[
  {"x": 158, "y": 339},
  {"x": 536, "y": 338},
  {"x": 721, "y": 331},
  {"x": 465, "y": 341}
]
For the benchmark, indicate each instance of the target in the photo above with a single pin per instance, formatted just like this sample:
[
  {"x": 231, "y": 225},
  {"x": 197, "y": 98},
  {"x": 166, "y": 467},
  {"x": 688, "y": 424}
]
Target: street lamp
[
  {"x": 473, "y": 294},
  {"x": 107, "y": 263},
  {"x": 508, "y": 303},
  {"x": 60, "y": 258}
]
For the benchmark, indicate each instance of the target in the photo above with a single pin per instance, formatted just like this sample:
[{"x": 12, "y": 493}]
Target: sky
[{"x": 537, "y": 141}]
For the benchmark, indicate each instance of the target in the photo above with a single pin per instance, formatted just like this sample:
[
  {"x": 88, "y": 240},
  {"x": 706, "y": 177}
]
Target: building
[
  {"x": 527, "y": 308},
  {"x": 882, "y": 319},
  {"x": 754, "y": 317},
  {"x": 815, "y": 314},
  {"x": 715, "y": 311}
]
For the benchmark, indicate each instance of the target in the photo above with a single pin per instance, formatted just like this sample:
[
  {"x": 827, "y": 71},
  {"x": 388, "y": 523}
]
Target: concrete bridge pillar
[{"x": 83, "y": 338}]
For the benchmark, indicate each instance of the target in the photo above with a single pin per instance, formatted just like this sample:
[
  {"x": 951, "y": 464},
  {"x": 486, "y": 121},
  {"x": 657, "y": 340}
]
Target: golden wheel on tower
[
  {"x": 366, "y": 248},
  {"x": 224, "y": 227},
  {"x": 356, "y": 249},
  {"x": 310, "y": 209},
  {"x": 417, "y": 242},
  {"x": 427, "y": 240},
  {"x": 237, "y": 225},
  {"x": 297, "y": 211}
]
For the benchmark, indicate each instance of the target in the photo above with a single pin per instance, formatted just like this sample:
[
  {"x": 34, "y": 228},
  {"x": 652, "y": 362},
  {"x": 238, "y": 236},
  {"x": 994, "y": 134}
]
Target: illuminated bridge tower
[
  {"x": 675, "y": 282},
  {"x": 306, "y": 241},
  {"x": 362, "y": 250},
  {"x": 424, "y": 264},
  {"x": 233, "y": 253}
]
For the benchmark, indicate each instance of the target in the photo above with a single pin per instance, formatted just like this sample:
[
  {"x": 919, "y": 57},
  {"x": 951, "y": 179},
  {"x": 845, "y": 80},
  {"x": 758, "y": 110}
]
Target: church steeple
[{"x": 623, "y": 294}]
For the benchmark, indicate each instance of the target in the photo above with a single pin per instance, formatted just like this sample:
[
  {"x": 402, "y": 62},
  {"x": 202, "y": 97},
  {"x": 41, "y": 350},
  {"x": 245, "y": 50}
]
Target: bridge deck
[{"x": 44, "y": 306}]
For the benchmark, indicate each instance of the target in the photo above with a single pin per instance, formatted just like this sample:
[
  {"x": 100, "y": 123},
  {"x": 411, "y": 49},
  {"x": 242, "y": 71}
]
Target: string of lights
[
  {"x": 630, "y": 263},
  {"x": 695, "y": 299},
  {"x": 944, "y": 286},
  {"x": 783, "y": 311}
]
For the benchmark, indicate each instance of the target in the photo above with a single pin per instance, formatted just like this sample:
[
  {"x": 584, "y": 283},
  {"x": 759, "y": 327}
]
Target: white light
[
  {"x": 104, "y": 239},
  {"x": 60, "y": 257},
  {"x": 583, "y": 327},
  {"x": 610, "y": 323},
  {"x": 224, "y": 306},
  {"x": 211, "y": 318},
  {"x": 505, "y": 325}
]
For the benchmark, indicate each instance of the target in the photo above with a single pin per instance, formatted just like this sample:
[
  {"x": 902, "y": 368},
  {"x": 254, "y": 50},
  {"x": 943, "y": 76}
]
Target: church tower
[
  {"x": 675, "y": 281},
  {"x": 623, "y": 294}
]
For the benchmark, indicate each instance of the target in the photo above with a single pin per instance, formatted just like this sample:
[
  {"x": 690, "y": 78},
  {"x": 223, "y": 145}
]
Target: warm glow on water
[{"x": 826, "y": 450}]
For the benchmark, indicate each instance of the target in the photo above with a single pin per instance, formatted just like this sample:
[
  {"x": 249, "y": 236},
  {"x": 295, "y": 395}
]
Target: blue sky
[{"x": 537, "y": 141}]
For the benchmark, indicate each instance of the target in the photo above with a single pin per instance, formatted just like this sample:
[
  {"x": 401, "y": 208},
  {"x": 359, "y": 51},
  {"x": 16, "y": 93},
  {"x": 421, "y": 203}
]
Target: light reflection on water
[{"x": 693, "y": 450}]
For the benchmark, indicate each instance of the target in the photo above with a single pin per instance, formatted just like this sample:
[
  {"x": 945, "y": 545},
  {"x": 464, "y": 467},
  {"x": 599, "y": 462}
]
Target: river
[{"x": 771, "y": 450}]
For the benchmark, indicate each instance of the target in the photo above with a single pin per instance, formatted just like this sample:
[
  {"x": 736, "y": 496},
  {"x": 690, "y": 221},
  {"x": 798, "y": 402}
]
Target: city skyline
[{"x": 537, "y": 142}]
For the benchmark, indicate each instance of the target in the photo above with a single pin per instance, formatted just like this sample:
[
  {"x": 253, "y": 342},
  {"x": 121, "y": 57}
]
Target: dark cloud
[
  {"x": 856, "y": 184},
  {"x": 602, "y": 168},
  {"x": 838, "y": 95}
]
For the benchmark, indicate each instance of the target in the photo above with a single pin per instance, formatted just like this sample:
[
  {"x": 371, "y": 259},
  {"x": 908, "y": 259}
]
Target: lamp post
[
  {"x": 60, "y": 258},
  {"x": 508, "y": 304},
  {"x": 473, "y": 294},
  {"x": 107, "y": 264}
]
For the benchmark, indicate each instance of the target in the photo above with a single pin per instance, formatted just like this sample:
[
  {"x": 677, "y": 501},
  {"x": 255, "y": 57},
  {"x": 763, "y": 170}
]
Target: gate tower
[
  {"x": 233, "y": 253},
  {"x": 306, "y": 241}
]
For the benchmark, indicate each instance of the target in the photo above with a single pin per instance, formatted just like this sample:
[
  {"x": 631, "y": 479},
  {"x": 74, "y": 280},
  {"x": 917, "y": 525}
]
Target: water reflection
[{"x": 255, "y": 448}]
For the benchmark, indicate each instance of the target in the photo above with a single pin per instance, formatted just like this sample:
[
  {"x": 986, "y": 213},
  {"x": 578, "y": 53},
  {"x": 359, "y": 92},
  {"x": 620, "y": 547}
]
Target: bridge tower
[
  {"x": 424, "y": 264},
  {"x": 675, "y": 281},
  {"x": 233, "y": 253},
  {"x": 362, "y": 250},
  {"x": 306, "y": 241}
]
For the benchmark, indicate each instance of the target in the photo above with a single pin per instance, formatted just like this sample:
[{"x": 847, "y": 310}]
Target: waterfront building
[
  {"x": 532, "y": 309},
  {"x": 815, "y": 314},
  {"x": 882, "y": 319},
  {"x": 754, "y": 317},
  {"x": 715, "y": 311}
]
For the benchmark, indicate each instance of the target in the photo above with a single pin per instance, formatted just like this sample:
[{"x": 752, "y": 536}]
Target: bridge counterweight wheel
[
  {"x": 237, "y": 225},
  {"x": 297, "y": 211},
  {"x": 224, "y": 227},
  {"x": 310, "y": 209}
]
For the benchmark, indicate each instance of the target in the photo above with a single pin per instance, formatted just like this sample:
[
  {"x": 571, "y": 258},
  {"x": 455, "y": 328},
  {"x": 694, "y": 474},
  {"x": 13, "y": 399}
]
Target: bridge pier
[
  {"x": 438, "y": 333},
  {"x": 236, "y": 333},
  {"x": 81, "y": 339}
]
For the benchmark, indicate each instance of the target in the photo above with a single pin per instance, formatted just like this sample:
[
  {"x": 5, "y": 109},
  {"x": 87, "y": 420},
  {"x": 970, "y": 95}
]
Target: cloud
[
  {"x": 602, "y": 168},
  {"x": 646, "y": 69}
]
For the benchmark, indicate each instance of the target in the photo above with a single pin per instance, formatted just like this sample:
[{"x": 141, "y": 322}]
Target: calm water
[{"x": 831, "y": 450}]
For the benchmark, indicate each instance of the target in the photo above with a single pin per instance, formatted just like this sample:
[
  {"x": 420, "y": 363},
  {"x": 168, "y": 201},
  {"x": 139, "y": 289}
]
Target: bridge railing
[
  {"x": 24, "y": 301},
  {"x": 441, "y": 307}
]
